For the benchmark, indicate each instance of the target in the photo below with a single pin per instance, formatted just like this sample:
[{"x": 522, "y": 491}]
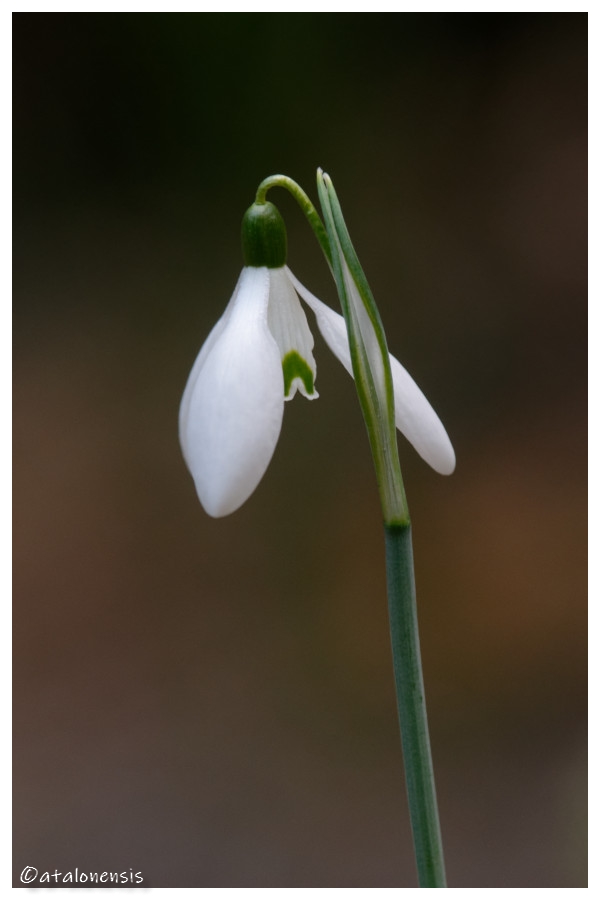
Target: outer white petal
[
  {"x": 232, "y": 407},
  {"x": 419, "y": 422},
  {"x": 415, "y": 417},
  {"x": 193, "y": 376}
]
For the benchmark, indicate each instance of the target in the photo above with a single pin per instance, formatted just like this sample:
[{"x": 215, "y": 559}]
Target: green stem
[
  {"x": 410, "y": 695},
  {"x": 378, "y": 410},
  {"x": 303, "y": 200}
]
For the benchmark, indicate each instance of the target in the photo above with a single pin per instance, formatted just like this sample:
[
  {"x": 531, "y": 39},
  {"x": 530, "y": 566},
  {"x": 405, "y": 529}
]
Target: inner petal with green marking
[
  {"x": 288, "y": 325},
  {"x": 294, "y": 367}
]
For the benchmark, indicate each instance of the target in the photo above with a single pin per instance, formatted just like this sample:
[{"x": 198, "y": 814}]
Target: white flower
[{"x": 258, "y": 355}]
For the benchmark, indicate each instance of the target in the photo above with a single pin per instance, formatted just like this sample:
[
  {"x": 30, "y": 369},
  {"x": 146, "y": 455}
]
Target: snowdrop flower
[{"x": 260, "y": 354}]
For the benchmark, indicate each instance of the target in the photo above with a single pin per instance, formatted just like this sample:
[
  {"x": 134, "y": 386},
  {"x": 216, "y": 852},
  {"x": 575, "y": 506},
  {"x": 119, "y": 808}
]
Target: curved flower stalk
[{"x": 258, "y": 355}]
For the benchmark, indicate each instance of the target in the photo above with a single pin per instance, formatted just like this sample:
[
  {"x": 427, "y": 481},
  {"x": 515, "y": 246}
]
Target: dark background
[{"x": 211, "y": 702}]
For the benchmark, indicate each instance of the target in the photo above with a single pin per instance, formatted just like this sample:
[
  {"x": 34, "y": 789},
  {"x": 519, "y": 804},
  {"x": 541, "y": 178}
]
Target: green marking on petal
[{"x": 296, "y": 367}]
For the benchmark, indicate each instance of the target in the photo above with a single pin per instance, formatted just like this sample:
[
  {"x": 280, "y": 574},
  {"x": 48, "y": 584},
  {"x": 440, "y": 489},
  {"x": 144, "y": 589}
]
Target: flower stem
[
  {"x": 303, "y": 200},
  {"x": 410, "y": 694}
]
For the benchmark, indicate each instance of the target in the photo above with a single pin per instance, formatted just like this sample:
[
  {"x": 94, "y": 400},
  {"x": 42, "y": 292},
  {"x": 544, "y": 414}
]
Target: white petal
[
  {"x": 232, "y": 407},
  {"x": 289, "y": 327},
  {"x": 415, "y": 417},
  {"x": 419, "y": 423}
]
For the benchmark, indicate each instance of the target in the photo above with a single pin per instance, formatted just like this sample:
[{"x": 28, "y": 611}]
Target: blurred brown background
[{"x": 211, "y": 702}]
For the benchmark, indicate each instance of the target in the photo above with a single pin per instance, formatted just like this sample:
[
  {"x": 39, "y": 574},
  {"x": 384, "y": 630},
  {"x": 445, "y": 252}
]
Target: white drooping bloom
[{"x": 257, "y": 356}]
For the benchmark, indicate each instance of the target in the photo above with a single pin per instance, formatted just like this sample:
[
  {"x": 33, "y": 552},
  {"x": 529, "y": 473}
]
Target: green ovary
[{"x": 296, "y": 367}]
